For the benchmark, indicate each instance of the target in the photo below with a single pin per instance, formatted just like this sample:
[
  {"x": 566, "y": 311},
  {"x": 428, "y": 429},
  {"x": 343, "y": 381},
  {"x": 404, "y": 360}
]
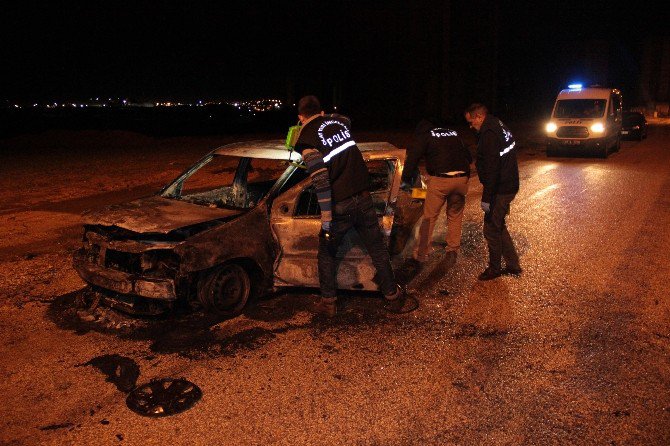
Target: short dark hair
[
  {"x": 477, "y": 108},
  {"x": 309, "y": 106}
]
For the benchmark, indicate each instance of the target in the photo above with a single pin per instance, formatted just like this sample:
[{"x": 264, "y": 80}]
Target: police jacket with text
[
  {"x": 496, "y": 159},
  {"x": 442, "y": 149},
  {"x": 331, "y": 136}
]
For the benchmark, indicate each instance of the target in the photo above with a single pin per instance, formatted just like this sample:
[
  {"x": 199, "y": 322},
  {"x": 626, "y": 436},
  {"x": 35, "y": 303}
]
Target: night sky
[{"x": 366, "y": 54}]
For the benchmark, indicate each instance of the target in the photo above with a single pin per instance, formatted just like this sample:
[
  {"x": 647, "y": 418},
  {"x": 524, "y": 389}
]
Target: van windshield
[{"x": 580, "y": 108}]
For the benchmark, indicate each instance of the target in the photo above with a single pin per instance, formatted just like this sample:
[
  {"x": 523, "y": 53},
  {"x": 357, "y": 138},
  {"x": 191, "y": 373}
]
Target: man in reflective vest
[
  {"x": 499, "y": 174},
  {"x": 341, "y": 182}
]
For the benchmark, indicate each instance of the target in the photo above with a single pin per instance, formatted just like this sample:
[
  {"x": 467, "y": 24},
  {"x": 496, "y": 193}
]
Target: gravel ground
[{"x": 575, "y": 351}]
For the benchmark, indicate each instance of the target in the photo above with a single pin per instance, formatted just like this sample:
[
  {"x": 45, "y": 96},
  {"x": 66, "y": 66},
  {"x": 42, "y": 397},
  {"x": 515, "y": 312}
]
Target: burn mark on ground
[
  {"x": 210, "y": 344},
  {"x": 53, "y": 427},
  {"x": 197, "y": 335},
  {"x": 473, "y": 331},
  {"x": 460, "y": 385},
  {"x": 121, "y": 371}
]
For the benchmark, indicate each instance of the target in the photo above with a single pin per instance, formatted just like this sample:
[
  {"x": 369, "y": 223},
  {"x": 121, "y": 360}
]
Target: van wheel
[
  {"x": 225, "y": 290},
  {"x": 603, "y": 152}
]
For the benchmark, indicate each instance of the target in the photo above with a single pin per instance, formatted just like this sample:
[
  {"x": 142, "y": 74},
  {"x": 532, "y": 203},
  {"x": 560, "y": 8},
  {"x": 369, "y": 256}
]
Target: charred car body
[{"x": 241, "y": 221}]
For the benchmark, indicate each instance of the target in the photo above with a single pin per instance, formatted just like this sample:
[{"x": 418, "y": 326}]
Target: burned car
[{"x": 241, "y": 221}]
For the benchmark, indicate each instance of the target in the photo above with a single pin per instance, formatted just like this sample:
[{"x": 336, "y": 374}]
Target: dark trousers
[
  {"x": 497, "y": 237},
  {"x": 355, "y": 212}
]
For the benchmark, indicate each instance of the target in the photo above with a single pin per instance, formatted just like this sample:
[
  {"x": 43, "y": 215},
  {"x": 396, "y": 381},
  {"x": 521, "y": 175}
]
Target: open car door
[{"x": 295, "y": 220}]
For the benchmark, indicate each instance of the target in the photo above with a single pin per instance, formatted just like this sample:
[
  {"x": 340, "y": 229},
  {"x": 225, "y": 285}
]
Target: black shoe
[
  {"x": 489, "y": 274},
  {"x": 513, "y": 271},
  {"x": 326, "y": 307},
  {"x": 401, "y": 303}
]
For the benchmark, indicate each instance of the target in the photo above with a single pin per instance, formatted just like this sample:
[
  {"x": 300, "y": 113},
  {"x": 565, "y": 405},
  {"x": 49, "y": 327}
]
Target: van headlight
[
  {"x": 551, "y": 127},
  {"x": 598, "y": 127}
]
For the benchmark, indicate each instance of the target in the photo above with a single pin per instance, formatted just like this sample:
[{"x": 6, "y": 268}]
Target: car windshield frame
[{"x": 237, "y": 195}]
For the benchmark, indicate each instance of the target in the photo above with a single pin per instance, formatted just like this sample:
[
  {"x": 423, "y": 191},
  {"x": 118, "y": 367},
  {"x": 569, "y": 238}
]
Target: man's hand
[
  {"x": 325, "y": 230},
  {"x": 326, "y": 234},
  {"x": 486, "y": 207},
  {"x": 406, "y": 186}
]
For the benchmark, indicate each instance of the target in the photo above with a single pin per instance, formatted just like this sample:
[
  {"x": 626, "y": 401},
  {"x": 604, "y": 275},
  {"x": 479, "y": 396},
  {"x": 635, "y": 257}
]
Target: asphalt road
[{"x": 575, "y": 351}]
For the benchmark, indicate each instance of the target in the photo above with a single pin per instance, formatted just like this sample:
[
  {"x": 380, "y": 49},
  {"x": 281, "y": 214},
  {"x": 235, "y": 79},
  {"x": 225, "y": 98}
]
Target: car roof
[
  {"x": 587, "y": 93},
  {"x": 258, "y": 149},
  {"x": 275, "y": 149}
]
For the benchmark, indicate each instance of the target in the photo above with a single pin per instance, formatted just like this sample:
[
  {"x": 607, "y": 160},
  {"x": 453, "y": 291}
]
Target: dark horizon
[{"x": 402, "y": 61}]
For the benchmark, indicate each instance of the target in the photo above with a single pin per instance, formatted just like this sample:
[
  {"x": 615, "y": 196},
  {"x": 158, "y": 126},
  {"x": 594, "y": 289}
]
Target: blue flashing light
[{"x": 575, "y": 86}]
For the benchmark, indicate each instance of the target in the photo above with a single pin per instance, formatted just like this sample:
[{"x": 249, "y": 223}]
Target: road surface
[{"x": 576, "y": 351}]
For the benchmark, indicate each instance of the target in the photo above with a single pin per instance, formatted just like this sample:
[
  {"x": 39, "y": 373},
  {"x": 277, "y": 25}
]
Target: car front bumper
[{"x": 122, "y": 282}]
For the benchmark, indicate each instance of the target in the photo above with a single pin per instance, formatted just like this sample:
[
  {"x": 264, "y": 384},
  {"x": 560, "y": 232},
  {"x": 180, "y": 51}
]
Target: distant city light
[{"x": 251, "y": 106}]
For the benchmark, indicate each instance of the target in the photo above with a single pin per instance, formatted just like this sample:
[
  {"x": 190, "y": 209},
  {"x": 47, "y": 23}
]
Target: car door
[{"x": 295, "y": 221}]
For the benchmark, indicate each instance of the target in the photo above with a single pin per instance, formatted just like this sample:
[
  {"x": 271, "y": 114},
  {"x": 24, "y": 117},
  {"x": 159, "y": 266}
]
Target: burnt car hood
[{"x": 156, "y": 214}]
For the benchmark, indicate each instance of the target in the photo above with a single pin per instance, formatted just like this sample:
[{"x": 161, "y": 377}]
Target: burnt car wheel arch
[{"x": 225, "y": 289}]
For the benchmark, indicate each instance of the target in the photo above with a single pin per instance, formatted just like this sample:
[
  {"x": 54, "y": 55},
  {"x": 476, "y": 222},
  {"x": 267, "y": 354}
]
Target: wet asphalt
[{"x": 574, "y": 352}]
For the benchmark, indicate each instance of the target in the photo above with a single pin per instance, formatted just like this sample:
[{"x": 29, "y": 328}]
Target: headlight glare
[
  {"x": 551, "y": 127},
  {"x": 598, "y": 127}
]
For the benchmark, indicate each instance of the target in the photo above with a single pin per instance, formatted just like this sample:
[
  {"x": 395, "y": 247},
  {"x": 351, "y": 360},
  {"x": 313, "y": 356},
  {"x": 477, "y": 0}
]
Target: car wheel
[
  {"x": 225, "y": 290},
  {"x": 617, "y": 147}
]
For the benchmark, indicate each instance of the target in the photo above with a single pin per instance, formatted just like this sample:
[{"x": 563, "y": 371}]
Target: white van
[{"x": 585, "y": 120}]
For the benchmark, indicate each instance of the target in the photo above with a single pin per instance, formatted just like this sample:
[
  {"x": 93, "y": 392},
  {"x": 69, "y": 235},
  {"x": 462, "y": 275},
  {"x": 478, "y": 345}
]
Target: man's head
[
  {"x": 308, "y": 106},
  {"x": 475, "y": 115}
]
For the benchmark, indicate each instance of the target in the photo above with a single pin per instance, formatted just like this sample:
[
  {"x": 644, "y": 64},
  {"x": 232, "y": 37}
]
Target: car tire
[
  {"x": 617, "y": 147},
  {"x": 225, "y": 290}
]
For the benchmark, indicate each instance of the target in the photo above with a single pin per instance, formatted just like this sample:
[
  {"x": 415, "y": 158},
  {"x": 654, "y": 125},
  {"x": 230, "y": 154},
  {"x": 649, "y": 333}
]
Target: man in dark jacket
[
  {"x": 448, "y": 166},
  {"x": 499, "y": 174},
  {"x": 340, "y": 178}
]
